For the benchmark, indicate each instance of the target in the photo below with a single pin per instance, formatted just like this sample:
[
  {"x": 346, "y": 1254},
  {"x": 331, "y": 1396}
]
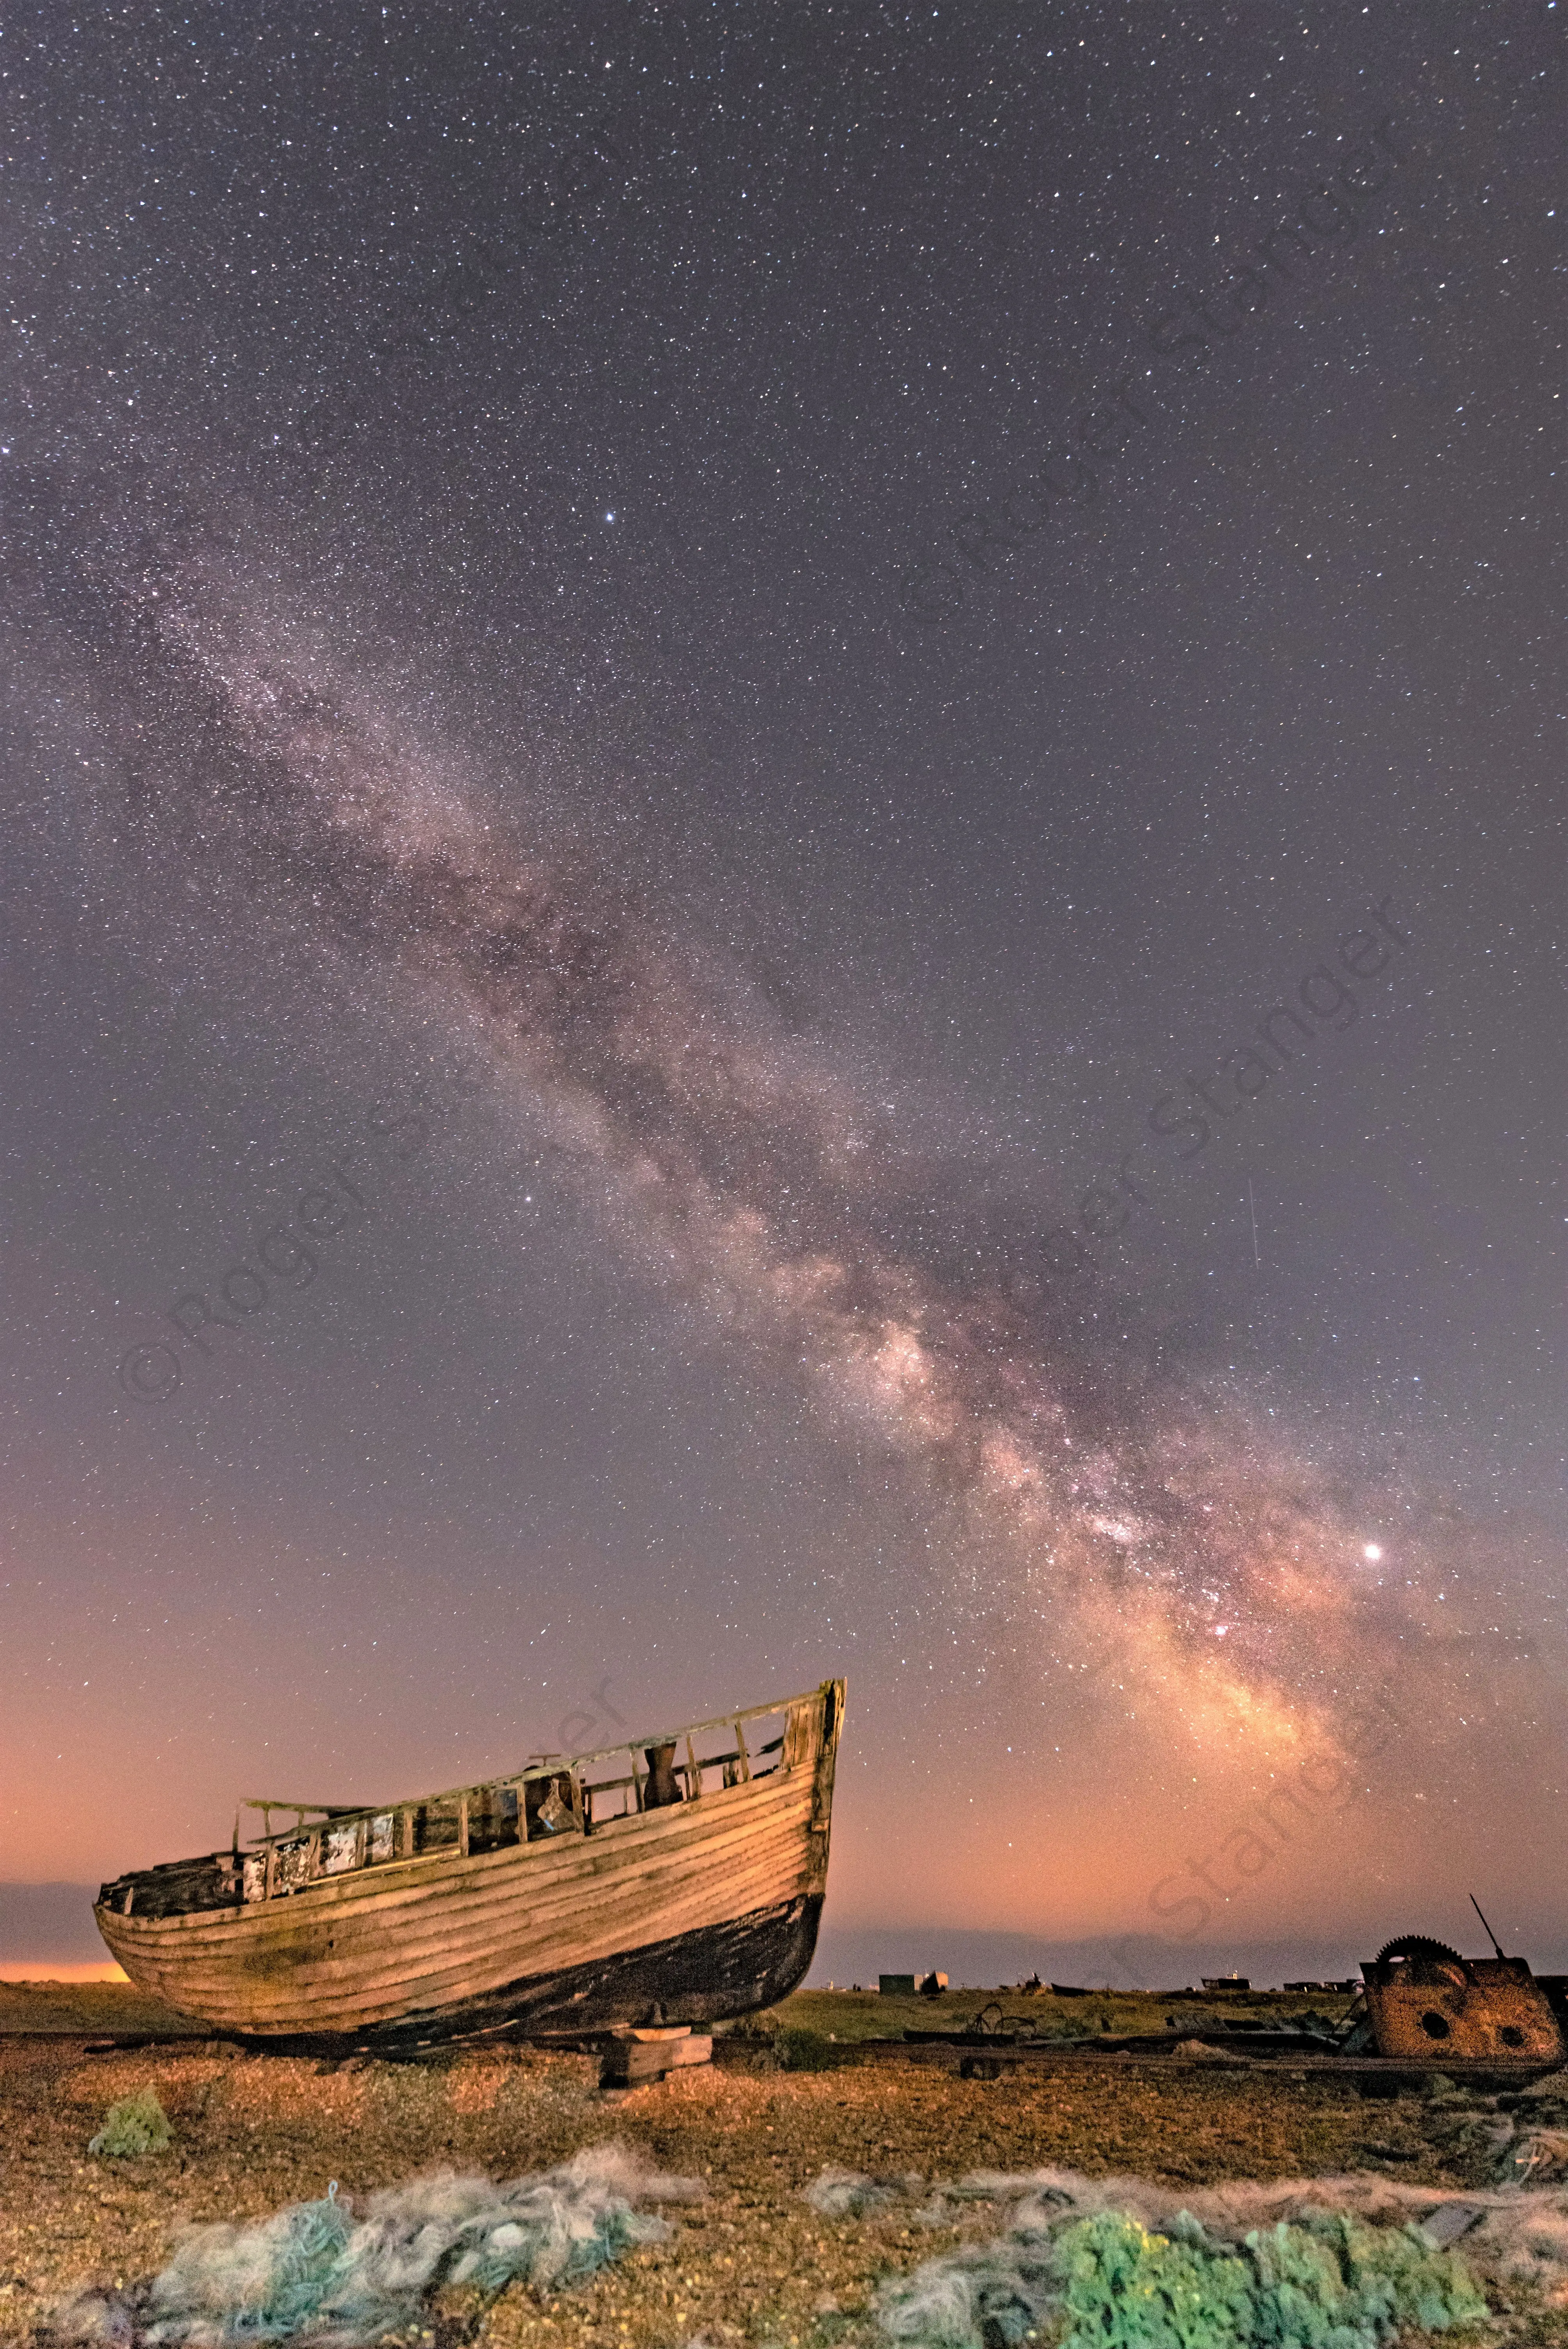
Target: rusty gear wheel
[{"x": 1426, "y": 1961}]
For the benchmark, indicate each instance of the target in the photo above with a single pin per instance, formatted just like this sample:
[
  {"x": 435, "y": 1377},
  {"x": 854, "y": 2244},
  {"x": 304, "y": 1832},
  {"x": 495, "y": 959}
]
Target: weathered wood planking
[
  {"x": 371, "y": 1948},
  {"x": 418, "y": 1938}
]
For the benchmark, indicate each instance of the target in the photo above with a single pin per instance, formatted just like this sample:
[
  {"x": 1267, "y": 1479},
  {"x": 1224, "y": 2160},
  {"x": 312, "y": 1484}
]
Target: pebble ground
[{"x": 751, "y": 2264}]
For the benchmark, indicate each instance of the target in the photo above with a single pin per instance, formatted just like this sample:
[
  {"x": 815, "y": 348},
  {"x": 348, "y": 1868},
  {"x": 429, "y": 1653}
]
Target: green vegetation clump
[
  {"x": 137, "y": 2125},
  {"x": 801, "y": 2049}
]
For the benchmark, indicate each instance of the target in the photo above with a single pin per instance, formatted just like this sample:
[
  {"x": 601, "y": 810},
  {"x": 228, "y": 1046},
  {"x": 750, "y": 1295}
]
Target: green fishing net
[
  {"x": 1120, "y": 2284},
  {"x": 1328, "y": 2280},
  {"x": 339, "y": 2278}
]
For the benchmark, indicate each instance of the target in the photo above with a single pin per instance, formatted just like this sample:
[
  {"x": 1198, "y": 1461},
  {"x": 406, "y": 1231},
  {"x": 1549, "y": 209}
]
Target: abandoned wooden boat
[{"x": 623, "y": 1886}]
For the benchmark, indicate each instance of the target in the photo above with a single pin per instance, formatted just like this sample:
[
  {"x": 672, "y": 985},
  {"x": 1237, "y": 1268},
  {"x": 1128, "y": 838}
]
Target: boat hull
[
  {"x": 686, "y": 1914},
  {"x": 700, "y": 1977}
]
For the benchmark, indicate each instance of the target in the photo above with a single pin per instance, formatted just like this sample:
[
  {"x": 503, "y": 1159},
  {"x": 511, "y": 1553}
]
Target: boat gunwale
[{"x": 334, "y": 1816}]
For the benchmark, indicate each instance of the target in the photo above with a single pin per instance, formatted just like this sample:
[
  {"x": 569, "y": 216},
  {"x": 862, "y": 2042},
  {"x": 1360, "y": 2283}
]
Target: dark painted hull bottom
[{"x": 724, "y": 1969}]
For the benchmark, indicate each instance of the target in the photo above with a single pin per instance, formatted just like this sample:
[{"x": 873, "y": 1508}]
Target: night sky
[{"x": 783, "y": 848}]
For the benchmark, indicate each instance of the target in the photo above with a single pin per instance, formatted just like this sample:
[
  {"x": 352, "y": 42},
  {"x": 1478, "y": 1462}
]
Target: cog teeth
[{"x": 1418, "y": 1945}]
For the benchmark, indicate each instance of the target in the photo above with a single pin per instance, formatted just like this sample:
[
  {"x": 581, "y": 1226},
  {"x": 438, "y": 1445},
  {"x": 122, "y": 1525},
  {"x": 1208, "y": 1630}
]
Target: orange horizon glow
[{"x": 43, "y": 1973}]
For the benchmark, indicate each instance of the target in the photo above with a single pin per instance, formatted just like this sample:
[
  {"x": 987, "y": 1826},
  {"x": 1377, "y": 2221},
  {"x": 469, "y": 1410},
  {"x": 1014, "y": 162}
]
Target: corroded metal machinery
[{"x": 1427, "y": 2003}]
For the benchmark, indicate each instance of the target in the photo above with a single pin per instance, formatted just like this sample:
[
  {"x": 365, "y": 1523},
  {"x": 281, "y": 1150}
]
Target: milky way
[
  {"x": 1106, "y": 1508},
  {"x": 442, "y": 630}
]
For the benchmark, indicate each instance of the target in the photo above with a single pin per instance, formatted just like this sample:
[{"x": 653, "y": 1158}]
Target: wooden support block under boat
[{"x": 646, "y": 2055}]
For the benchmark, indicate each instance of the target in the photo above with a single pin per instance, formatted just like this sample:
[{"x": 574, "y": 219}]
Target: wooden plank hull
[{"x": 705, "y": 1908}]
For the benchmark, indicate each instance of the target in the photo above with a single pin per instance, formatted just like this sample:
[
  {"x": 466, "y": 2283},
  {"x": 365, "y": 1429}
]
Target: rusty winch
[{"x": 1427, "y": 2003}]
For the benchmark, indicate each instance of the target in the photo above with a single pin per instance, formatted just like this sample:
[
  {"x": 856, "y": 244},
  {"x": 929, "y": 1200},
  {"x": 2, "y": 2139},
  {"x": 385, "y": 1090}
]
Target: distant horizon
[{"x": 46, "y": 1932}]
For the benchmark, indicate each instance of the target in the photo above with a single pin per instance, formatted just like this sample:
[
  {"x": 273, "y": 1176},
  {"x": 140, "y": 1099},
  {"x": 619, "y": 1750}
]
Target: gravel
[{"x": 753, "y": 2263}]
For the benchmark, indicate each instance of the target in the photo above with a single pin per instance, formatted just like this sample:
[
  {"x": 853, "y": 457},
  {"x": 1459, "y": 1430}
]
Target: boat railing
[{"x": 553, "y": 1796}]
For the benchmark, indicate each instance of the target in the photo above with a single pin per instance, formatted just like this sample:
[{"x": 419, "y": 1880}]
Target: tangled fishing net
[
  {"x": 1325, "y": 2281},
  {"x": 320, "y": 2271},
  {"x": 848, "y": 2194},
  {"x": 1347, "y": 2263}
]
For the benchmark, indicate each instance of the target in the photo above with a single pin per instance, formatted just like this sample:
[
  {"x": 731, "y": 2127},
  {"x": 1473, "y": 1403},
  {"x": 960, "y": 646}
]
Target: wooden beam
[{"x": 638, "y": 2061}]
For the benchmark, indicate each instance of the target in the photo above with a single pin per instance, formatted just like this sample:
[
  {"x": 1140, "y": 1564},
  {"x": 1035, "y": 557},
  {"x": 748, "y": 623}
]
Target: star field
[{"x": 784, "y": 843}]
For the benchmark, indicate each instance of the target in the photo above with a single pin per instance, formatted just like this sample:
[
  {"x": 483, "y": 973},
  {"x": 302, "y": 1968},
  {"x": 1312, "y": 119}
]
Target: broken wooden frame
[{"x": 553, "y": 1796}]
